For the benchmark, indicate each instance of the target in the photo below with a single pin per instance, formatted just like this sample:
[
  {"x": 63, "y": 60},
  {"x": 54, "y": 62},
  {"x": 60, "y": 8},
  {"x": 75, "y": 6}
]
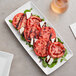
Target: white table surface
[{"x": 22, "y": 64}]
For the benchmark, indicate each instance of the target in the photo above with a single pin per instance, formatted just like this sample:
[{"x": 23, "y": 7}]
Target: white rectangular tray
[
  {"x": 5, "y": 63},
  {"x": 35, "y": 10}
]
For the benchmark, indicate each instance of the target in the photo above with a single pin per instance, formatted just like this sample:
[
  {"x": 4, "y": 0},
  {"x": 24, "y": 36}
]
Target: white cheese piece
[
  {"x": 50, "y": 61},
  {"x": 53, "y": 40},
  {"x": 48, "y": 57},
  {"x": 35, "y": 39},
  {"x": 32, "y": 41},
  {"x": 21, "y": 30},
  {"x": 56, "y": 39},
  {"x": 41, "y": 23},
  {"x": 28, "y": 14}
]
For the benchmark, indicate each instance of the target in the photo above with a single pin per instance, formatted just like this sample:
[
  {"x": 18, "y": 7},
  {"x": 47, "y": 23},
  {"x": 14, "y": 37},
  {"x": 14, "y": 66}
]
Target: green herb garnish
[
  {"x": 35, "y": 15},
  {"x": 22, "y": 37},
  {"x": 10, "y": 21},
  {"x": 43, "y": 58},
  {"x": 53, "y": 63},
  {"x": 63, "y": 57},
  {"x": 16, "y": 29},
  {"x": 27, "y": 10},
  {"x": 42, "y": 19},
  {"x": 60, "y": 41},
  {"x": 27, "y": 43},
  {"x": 44, "y": 63},
  {"x": 65, "y": 53},
  {"x": 61, "y": 60}
]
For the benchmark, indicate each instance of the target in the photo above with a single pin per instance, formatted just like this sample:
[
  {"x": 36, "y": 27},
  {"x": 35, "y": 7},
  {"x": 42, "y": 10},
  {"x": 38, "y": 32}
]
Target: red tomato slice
[
  {"x": 56, "y": 50},
  {"x": 31, "y": 32},
  {"x": 47, "y": 33},
  {"x": 40, "y": 47},
  {"x": 16, "y": 19},
  {"x": 53, "y": 34},
  {"x": 22, "y": 22},
  {"x": 19, "y": 20},
  {"x": 33, "y": 20}
]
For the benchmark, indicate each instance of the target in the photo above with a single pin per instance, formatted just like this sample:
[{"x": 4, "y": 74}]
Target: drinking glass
[{"x": 59, "y": 6}]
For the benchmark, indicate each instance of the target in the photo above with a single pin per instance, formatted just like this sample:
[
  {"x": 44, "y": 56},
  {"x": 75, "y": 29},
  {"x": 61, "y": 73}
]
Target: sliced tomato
[
  {"x": 56, "y": 50},
  {"x": 19, "y": 20},
  {"x": 33, "y": 20},
  {"x": 16, "y": 19},
  {"x": 40, "y": 47},
  {"x": 47, "y": 33},
  {"x": 22, "y": 22},
  {"x": 31, "y": 32},
  {"x": 53, "y": 34}
]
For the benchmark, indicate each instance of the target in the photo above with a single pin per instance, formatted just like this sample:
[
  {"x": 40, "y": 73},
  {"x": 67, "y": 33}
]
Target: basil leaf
[
  {"x": 44, "y": 64},
  {"x": 65, "y": 53},
  {"x": 53, "y": 63},
  {"x": 23, "y": 38},
  {"x": 16, "y": 29},
  {"x": 43, "y": 58},
  {"x": 60, "y": 41},
  {"x": 61, "y": 60},
  {"x": 30, "y": 45},
  {"x": 27, "y": 10},
  {"x": 63, "y": 57},
  {"x": 39, "y": 57},
  {"x": 42, "y": 19},
  {"x": 27, "y": 43},
  {"x": 10, "y": 21},
  {"x": 35, "y": 15}
]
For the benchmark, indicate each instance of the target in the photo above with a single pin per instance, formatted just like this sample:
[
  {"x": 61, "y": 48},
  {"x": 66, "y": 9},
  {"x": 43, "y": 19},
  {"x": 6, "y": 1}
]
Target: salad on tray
[{"x": 41, "y": 37}]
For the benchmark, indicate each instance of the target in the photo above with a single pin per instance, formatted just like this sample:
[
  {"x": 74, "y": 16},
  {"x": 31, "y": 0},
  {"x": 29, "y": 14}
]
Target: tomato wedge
[
  {"x": 19, "y": 20},
  {"x": 47, "y": 33},
  {"x": 31, "y": 32},
  {"x": 40, "y": 47},
  {"x": 56, "y": 50},
  {"x": 33, "y": 20}
]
